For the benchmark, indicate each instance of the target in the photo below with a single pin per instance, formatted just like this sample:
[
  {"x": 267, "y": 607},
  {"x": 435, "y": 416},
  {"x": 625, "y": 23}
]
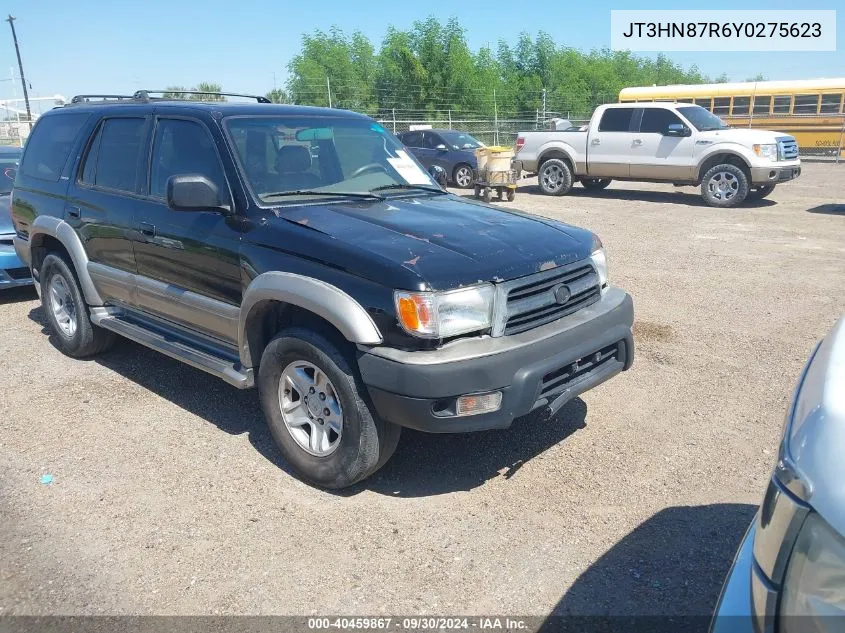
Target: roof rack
[{"x": 145, "y": 96}]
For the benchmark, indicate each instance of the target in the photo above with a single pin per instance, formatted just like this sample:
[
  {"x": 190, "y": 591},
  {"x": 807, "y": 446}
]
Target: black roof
[{"x": 439, "y": 130}]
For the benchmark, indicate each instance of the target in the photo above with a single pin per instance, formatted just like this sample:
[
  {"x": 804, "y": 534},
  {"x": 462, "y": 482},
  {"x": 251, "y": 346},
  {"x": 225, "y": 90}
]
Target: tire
[
  {"x": 554, "y": 177},
  {"x": 595, "y": 184},
  {"x": 364, "y": 443},
  {"x": 758, "y": 193},
  {"x": 67, "y": 313},
  {"x": 724, "y": 186},
  {"x": 487, "y": 194},
  {"x": 462, "y": 176},
  {"x": 511, "y": 195}
]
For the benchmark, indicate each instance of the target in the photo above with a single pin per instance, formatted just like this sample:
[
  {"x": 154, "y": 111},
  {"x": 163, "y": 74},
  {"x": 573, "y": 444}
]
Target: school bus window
[
  {"x": 721, "y": 105},
  {"x": 704, "y": 102},
  {"x": 782, "y": 103},
  {"x": 741, "y": 105},
  {"x": 762, "y": 103},
  {"x": 684, "y": 100},
  {"x": 831, "y": 104},
  {"x": 806, "y": 104}
]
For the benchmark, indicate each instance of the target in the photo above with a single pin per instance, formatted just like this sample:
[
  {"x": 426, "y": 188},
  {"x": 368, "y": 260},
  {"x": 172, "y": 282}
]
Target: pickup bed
[{"x": 677, "y": 143}]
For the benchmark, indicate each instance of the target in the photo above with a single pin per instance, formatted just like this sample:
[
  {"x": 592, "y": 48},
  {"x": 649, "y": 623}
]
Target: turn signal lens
[
  {"x": 416, "y": 313},
  {"x": 479, "y": 403}
]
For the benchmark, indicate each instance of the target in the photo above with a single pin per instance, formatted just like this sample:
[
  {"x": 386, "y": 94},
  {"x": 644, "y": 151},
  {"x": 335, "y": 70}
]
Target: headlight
[
  {"x": 767, "y": 150},
  {"x": 814, "y": 586},
  {"x": 445, "y": 314},
  {"x": 599, "y": 260}
]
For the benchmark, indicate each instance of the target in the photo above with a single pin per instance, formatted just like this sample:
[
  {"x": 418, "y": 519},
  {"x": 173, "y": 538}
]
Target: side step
[{"x": 223, "y": 368}]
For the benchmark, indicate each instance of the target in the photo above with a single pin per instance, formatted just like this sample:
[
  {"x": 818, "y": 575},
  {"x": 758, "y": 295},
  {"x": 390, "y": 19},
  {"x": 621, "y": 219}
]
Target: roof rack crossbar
[{"x": 144, "y": 95}]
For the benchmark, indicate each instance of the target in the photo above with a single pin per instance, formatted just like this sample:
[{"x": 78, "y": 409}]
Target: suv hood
[
  {"x": 442, "y": 240},
  {"x": 743, "y": 136}
]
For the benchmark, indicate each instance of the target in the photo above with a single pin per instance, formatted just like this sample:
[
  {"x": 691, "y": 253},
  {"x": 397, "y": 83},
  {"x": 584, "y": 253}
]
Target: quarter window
[
  {"x": 806, "y": 104},
  {"x": 114, "y": 156},
  {"x": 616, "y": 120},
  {"x": 183, "y": 147},
  {"x": 762, "y": 104},
  {"x": 49, "y": 145}
]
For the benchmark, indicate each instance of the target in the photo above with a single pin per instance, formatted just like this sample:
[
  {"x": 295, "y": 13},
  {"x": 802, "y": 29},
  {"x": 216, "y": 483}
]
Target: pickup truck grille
[
  {"x": 787, "y": 148},
  {"x": 541, "y": 298}
]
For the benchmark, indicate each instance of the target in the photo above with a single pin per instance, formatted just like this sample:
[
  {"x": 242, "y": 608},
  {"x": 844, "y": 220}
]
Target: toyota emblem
[{"x": 562, "y": 294}]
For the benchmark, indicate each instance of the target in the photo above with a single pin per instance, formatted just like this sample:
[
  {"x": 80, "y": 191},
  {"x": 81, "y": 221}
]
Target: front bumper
[
  {"x": 541, "y": 368},
  {"x": 13, "y": 272},
  {"x": 775, "y": 173},
  {"x": 734, "y": 610}
]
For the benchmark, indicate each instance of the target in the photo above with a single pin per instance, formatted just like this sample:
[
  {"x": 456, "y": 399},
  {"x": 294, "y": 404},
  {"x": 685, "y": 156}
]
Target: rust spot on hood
[
  {"x": 413, "y": 262},
  {"x": 303, "y": 221},
  {"x": 547, "y": 265}
]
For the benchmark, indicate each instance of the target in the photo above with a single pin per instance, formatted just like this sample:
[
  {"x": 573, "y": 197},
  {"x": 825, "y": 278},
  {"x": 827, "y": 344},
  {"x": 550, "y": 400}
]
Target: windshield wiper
[
  {"x": 399, "y": 185},
  {"x": 314, "y": 192}
]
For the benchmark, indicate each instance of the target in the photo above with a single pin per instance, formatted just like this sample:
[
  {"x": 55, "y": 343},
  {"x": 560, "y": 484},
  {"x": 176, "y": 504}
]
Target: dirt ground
[{"x": 169, "y": 497}]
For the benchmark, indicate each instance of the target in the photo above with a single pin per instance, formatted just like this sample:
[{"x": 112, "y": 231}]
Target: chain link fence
[{"x": 13, "y": 132}]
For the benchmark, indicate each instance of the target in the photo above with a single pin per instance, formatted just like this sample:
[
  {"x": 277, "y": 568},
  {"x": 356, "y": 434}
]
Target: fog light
[{"x": 479, "y": 403}]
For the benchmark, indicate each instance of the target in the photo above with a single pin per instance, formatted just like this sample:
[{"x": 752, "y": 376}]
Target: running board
[{"x": 215, "y": 365}]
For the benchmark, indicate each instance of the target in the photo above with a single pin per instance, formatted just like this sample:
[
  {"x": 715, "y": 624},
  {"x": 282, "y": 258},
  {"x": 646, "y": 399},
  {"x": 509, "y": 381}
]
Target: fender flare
[
  {"x": 557, "y": 147},
  {"x": 323, "y": 299},
  {"x": 64, "y": 233},
  {"x": 717, "y": 151}
]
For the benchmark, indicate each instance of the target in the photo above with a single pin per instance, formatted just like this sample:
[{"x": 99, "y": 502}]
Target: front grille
[
  {"x": 532, "y": 300},
  {"x": 18, "y": 274},
  {"x": 561, "y": 379},
  {"x": 787, "y": 148}
]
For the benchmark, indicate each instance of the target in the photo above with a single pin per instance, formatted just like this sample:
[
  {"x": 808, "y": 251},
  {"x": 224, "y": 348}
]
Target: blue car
[
  {"x": 13, "y": 272},
  {"x": 453, "y": 151}
]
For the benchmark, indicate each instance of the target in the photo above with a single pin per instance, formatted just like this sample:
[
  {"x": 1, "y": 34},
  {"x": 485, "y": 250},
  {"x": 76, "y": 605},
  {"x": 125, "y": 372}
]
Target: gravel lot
[{"x": 169, "y": 497}]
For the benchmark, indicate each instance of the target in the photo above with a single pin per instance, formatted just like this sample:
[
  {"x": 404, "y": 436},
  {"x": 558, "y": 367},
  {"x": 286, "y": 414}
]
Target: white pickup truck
[{"x": 677, "y": 143}]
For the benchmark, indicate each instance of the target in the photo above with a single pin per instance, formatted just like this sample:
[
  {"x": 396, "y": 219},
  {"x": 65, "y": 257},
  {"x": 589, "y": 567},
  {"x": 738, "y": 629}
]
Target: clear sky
[{"x": 118, "y": 46}]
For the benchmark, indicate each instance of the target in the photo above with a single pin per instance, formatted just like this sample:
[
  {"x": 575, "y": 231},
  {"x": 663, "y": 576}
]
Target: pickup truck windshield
[
  {"x": 701, "y": 119},
  {"x": 319, "y": 156}
]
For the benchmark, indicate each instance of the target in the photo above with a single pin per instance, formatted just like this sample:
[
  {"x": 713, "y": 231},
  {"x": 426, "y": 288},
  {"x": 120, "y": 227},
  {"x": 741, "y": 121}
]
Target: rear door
[
  {"x": 657, "y": 156},
  {"x": 610, "y": 144},
  {"x": 188, "y": 261}
]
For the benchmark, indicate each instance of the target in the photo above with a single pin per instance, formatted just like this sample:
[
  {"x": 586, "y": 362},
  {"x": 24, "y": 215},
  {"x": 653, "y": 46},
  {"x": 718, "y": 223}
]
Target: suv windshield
[
  {"x": 300, "y": 157},
  {"x": 460, "y": 141},
  {"x": 701, "y": 119}
]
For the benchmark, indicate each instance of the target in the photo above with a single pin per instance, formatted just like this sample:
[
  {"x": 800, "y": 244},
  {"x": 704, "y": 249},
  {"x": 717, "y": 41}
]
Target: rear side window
[
  {"x": 113, "y": 158},
  {"x": 616, "y": 120},
  {"x": 49, "y": 146},
  {"x": 657, "y": 120}
]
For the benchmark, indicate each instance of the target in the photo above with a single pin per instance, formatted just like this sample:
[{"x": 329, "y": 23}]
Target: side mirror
[
  {"x": 441, "y": 148},
  {"x": 678, "y": 129},
  {"x": 439, "y": 175},
  {"x": 194, "y": 192}
]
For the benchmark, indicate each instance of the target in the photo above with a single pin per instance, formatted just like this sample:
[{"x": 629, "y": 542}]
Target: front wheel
[
  {"x": 555, "y": 177},
  {"x": 67, "y": 312},
  {"x": 318, "y": 413},
  {"x": 758, "y": 193},
  {"x": 724, "y": 186},
  {"x": 463, "y": 176},
  {"x": 595, "y": 184}
]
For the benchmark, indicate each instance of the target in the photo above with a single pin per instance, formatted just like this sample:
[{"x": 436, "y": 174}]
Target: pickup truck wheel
[
  {"x": 595, "y": 184},
  {"x": 758, "y": 193},
  {"x": 67, "y": 312},
  {"x": 462, "y": 177},
  {"x": 555, "y": 177},
  {"x": 724, "y": 186},
  {"x": 318, "y": 411}
]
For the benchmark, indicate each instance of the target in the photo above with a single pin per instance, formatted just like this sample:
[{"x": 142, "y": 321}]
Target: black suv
[{"x": 305, "y": 251}]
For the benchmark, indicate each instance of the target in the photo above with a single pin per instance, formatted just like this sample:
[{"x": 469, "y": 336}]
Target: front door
[
  {"x": 188, "y": 261},
  {"x": 658, "y": 156},
  {"x": 437, "y": 152},
  {"x": 609, "y": 147}
]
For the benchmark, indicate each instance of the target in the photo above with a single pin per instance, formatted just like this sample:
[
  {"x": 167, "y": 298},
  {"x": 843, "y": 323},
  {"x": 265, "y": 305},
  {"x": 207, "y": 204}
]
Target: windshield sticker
[
  {"x": 375, "y": 127},
  {"x": 408, "y": 169}
]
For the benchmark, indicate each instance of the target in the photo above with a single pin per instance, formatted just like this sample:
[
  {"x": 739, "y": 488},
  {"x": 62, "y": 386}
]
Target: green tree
[
  {"x": 208, "y": 88},
  {"x": 757, "y": 77},
  {"x": 277, "y": 95},
  {"x": 722, "y": 79}
]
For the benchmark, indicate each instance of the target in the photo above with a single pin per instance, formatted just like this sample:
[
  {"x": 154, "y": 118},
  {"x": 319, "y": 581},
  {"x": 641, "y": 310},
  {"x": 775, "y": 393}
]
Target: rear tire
[
  {"x": 758, "y": 193},
  {"x": 67, "y": 313},
  {"x": 353, "y": 449},
  {"x": 555, "y": 177},
  {"x": 724, "y": 186},
  {"x": 595, "y": 184}
]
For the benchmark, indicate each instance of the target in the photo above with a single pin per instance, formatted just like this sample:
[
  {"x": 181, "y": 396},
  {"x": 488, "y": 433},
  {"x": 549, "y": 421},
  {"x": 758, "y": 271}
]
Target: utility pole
[
  {"x": 329, "y": 90},
  {"x": 11, "y": 21}
]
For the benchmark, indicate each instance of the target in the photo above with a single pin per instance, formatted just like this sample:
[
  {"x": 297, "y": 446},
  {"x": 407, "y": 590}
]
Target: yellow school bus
[{"x": 811, "y": 110}]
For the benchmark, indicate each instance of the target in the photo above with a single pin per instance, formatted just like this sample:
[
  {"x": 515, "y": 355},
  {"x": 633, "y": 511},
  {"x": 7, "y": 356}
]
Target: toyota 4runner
[{"x": 306, "y": 252}]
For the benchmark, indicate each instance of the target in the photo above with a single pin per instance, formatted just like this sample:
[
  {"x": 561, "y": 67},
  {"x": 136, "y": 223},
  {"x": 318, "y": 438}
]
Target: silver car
[{"x": 789, "y": 573}]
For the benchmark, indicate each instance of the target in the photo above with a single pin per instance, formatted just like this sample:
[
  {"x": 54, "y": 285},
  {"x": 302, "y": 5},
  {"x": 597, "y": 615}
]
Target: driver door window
[{"x": 183, "y": 147}]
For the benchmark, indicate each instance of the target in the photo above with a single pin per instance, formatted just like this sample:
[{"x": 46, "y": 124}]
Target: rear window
[
  {"x": 616, "y": 120},
  {"x": 49, "y": 145}
]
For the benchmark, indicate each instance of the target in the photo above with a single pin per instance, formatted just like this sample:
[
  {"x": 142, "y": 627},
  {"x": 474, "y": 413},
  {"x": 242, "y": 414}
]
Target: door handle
[
  {"x": 638, "y": 141},
  {"x": 148, "y": 229},
  {"x": 595, "y": 141},
  {"x": 74, "y": 212}
]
